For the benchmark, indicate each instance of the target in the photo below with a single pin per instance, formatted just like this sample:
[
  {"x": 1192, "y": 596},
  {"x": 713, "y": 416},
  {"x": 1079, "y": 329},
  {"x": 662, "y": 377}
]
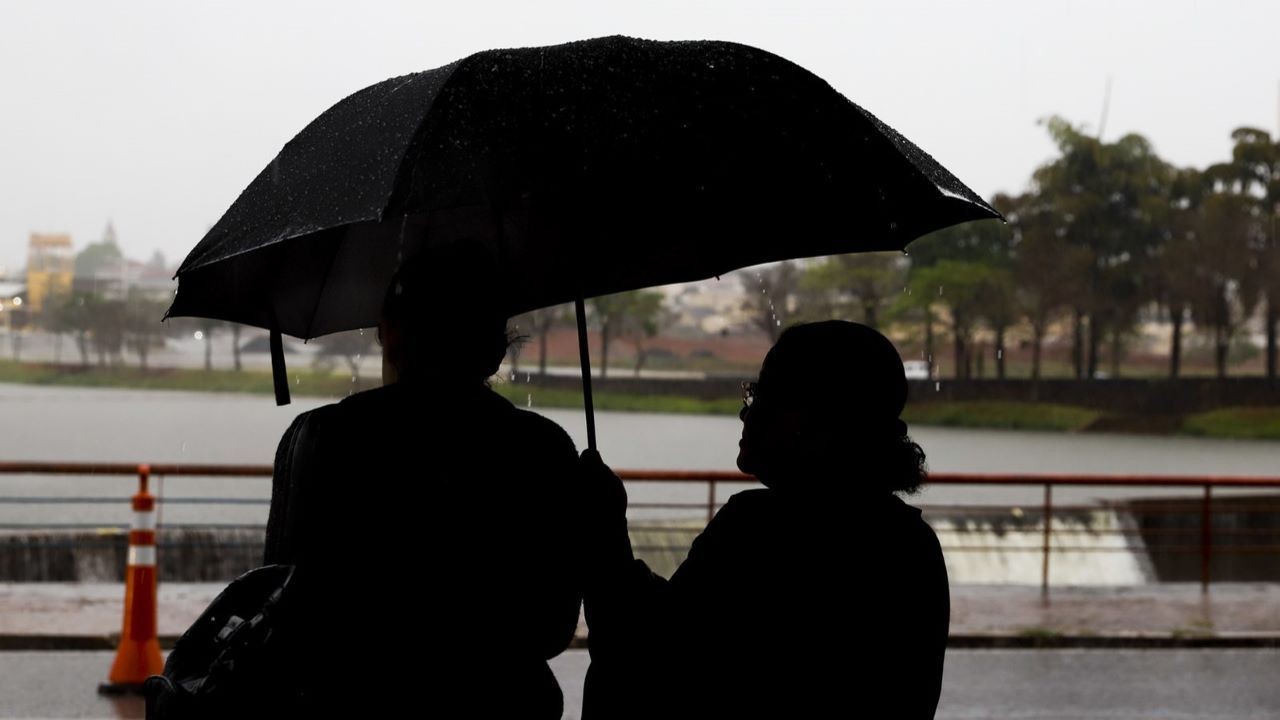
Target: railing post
[
  {"x": 1206, "y": 539},
  {"x": 1044, "y": 543},
  {"x": 711, "y": 499}
]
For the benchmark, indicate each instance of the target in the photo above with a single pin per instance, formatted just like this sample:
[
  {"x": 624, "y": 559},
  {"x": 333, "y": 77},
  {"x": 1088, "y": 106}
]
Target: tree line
[
  {"x": 1106, "y": 234},
  {"x": 105, "y": 329}
]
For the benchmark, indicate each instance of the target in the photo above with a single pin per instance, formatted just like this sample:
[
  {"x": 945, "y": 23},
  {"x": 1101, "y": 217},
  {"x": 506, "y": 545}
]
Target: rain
[{"x": 1092, "y": 386}]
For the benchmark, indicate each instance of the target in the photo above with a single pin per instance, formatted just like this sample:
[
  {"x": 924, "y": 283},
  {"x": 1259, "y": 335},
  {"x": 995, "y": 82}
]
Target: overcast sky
[{"x": 157, "y": 114}]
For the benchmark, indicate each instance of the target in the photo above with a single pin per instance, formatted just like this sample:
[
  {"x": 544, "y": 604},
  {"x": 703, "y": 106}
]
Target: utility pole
[{"x": 1106, "y": 107}]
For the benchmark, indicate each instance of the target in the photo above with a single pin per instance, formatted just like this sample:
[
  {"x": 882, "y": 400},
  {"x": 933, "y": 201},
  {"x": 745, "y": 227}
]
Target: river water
[{"x": 82, "y": 424}]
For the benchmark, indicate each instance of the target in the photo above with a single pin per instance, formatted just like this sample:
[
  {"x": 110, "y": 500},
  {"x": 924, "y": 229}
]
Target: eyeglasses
[{"x": 749, "y": 393}]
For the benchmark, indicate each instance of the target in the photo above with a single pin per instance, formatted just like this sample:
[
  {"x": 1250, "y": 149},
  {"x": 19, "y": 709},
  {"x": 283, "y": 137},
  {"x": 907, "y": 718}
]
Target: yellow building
[{"x": 50, "y": 267}]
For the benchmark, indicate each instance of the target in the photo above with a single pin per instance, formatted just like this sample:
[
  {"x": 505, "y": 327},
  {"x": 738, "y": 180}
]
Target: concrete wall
[
  {"x": 183, "y": 555},
  {"x": 1245, "y": 537},
  {"x": 1142, "y": 397},
  {"x": 1129, "y": 543}
]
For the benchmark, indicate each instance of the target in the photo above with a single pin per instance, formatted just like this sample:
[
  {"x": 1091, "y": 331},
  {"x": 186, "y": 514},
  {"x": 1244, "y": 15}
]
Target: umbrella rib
[{"x": 413, "y": 148}]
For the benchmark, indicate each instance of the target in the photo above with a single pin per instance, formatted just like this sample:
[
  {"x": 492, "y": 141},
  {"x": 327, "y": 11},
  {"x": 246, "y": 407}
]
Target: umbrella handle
[{"x": 584, "y": 356}]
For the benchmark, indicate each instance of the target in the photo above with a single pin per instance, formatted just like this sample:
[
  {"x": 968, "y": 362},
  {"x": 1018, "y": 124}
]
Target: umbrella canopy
[{"x": 587, "y": 169}]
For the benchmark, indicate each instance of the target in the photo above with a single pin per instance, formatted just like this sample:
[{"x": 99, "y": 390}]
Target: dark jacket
[
  {"x": 433, "y": 532},
  {"x": 785, "y": 607}
]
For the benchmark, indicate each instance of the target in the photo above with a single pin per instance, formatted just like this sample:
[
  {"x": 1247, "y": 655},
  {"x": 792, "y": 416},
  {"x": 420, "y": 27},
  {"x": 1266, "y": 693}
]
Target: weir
[{"x": 1126, "y": 543}]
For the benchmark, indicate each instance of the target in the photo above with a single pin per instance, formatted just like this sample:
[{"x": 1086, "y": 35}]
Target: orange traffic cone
[{"x": 138, "y": 656}]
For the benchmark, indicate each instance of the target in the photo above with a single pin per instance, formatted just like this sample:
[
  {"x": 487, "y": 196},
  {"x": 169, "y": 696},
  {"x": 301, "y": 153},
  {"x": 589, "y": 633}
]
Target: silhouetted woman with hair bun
[{"x": 822, "y": 594}]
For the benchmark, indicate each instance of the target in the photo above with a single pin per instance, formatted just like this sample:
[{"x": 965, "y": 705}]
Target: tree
[
  {"x": 958, "y": 285},
  {"x": 1046, "y": 269},
  {"x": 645, "y": 317},
  {"x": 1255, "y": 172},
  {"x": 1173, "y": 275},
  {"x": 964, "y": 249},
  {"x": 235, "y": 347},
  {"x": 1227, "y": 291},
  {"x": 107, "y": 320},
  {"x": 541, "y": 323},
  {"x": 75, "y": 316},
  {"x": 143, "y": 329},
  {"x": 1104, "y": 195},
  {"x": 351, "y": 346},
  {"x": 98, "y": 256},
  {"x": 861, "y": 285},
  {"x": 51, "y": 319},
  {"x": 621, "y": 313},
  {"x": 770, "y": 291},
  {"x": 997, "y": 306},
  {"x": 918, "y": 306},
  {"x": 206, "y": 331}
]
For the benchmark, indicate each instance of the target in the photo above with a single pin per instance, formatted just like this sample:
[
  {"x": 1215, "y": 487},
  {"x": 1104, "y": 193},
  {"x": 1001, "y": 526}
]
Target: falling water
[
  {"x": 1088, "y": 547},
  {"x": 764, "y": 290}
]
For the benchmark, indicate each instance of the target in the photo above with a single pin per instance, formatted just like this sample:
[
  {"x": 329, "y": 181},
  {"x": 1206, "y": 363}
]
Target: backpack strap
[{"x": 293, "y": 460}]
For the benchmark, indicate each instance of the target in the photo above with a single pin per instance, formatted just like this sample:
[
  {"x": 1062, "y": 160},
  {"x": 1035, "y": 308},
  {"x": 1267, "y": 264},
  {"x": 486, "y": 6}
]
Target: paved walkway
[{"x": 1236, "y": 610}]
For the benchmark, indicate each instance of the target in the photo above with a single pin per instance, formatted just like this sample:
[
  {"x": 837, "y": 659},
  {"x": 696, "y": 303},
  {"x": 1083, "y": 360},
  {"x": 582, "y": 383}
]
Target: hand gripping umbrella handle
[{"x": 584, "y": 355}]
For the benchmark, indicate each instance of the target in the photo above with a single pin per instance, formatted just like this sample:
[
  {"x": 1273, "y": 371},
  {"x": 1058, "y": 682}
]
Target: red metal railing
[{"x": 714, "y": 479}]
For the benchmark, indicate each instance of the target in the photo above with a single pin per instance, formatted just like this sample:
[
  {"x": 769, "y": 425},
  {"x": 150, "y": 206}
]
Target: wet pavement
[
  {"x": 1014, "y": 684},
  {"x": 1176, "y": 609}
]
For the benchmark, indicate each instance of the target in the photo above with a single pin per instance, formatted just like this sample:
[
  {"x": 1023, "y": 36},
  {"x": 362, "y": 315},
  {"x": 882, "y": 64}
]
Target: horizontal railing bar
[
  {"x": 124, "y": 499},
  {"x": 1038, "y": 530},
  {"x": 1176, "y": 549},
  {"x": 1185, "y": 550},
  {"x": 107, "y": 527},
  {"x": 91, "y": 468},
  {"x": 648, "y": 475}
]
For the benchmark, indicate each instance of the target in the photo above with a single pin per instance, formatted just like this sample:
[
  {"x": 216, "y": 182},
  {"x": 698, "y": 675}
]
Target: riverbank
[{"x": 1261, "y": 423}]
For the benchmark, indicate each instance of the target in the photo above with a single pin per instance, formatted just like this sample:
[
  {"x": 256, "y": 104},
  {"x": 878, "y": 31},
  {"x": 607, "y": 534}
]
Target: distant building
[
  {"x": 102, "y": 269},
  {"x": 709, "y": 307},
  {"x": 50, "y": 268}
]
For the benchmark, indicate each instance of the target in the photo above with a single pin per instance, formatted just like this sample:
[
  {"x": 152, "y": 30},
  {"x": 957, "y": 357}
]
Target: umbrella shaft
[{"x": 584, "y": 355}]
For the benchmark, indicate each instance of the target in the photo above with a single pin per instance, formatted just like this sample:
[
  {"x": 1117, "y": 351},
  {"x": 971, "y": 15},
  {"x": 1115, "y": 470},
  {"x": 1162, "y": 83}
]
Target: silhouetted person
[
  {"x": 430, "y": 520},
  {"x": 820, "y": 595}
]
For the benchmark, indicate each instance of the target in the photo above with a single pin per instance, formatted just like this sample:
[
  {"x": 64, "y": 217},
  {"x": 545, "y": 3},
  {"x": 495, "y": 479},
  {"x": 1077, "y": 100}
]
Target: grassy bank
[
  {"x": 1003, "y": 415},
  {"x": 1260, "y": 423},
  {"x": 305, "y": 383},
  {"x": 1241, "y": 423}
]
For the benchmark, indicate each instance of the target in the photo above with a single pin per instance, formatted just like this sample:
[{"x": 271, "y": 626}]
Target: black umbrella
[{"x": 588, "y": 168}]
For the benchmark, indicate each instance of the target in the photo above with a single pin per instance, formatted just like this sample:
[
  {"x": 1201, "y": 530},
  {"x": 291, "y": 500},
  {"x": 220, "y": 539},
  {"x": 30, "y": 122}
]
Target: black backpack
[{"x": 238, "y": 659}]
